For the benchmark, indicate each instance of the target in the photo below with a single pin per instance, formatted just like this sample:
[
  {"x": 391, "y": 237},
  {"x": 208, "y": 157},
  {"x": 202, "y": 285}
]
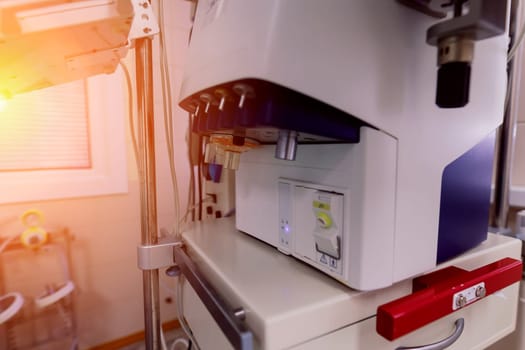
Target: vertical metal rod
[
  {"x": 4, "y": 344},
  {"x": 506, "y": 137},
  {"x": 74, "y": 328},
  {"x": 148, "y": 195}
]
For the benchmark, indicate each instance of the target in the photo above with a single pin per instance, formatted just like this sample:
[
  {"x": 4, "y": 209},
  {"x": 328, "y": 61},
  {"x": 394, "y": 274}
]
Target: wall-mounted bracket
[
  {"x": 144, "y": 22},
  {"x": 485, "y": 19}
]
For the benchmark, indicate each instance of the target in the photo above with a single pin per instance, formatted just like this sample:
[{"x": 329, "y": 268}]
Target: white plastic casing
[
  {"x": 369, "y": 59},
  {"x": 363, "y": 175}
]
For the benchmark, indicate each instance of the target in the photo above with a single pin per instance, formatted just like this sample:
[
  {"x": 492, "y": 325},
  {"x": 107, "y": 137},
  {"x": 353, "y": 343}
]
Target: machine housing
[{"x": 410, "y": 185}]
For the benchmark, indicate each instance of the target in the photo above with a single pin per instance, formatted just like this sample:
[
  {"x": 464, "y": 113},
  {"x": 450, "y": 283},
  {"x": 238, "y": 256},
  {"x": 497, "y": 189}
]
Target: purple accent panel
[
  {"x": 275, "y": 106},
  {"x": 465, "y": 200},
  {"x": 294, "y": 111},
  {"x": 226, "y": 116},
  {"x": 247, "y": 116},
  {"x": 215, "y": 171},
  {"x": 212, "y": 123}
]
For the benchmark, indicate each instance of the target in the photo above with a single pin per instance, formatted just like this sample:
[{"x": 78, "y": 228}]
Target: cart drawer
[{"x": 485, "y": 322}]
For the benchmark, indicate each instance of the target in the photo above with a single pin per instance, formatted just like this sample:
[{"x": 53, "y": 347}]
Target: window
[
  {"x": 64, "y": 141},
  {"x": 46, "y": 129}
]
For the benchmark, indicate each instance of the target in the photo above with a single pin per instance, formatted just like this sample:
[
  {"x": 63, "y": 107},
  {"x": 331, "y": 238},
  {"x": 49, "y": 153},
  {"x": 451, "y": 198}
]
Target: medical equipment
[
  {"x": 40, "y": 46},
  {"x": 392, "y": 184},
  {"x": 339, "y": 126},
  {"x": 455, "y": 37}
]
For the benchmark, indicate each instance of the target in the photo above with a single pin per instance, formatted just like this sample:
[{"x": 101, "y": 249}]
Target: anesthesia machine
[
  {"x": 362, "y": 134},
  {"x": 379, "y": 171}
]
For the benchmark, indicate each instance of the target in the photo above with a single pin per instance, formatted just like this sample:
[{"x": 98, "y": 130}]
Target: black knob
[{"x": 453, "y": 85}]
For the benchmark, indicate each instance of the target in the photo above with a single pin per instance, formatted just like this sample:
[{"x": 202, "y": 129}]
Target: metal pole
[
  {"x": 506, "y": 135},
  {"x": 148, "y": 195}
]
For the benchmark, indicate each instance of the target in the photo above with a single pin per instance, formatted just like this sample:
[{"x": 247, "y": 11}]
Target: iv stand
[{"x": 148, "y": 195}]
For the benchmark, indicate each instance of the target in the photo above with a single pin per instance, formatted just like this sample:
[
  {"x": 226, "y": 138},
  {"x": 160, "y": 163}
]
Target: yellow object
[
  {"x": 321, "y": 205},
  {"x": 226, "y": 143},
  {"x": 325, "y": 221},
  {"x": 34, "y": 236}
]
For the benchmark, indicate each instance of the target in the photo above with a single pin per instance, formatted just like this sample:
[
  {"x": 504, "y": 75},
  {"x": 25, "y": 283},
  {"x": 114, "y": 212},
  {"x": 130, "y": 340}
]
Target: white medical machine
[{"x": 379, "y": 173}]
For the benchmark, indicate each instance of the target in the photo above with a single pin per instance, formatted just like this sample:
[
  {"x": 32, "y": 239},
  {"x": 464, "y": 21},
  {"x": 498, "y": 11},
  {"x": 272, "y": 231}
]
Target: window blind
[{"x": 46, "y": 129}]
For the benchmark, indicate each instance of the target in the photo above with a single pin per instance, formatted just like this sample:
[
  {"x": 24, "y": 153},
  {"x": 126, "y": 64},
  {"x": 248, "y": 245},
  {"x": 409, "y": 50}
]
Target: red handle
[{"x": 443, "y": 292}]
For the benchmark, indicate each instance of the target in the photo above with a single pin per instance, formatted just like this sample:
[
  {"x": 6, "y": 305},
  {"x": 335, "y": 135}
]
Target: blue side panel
[
  {"x": 273, "y": 106},
  {"x": 465, "y": 200}
]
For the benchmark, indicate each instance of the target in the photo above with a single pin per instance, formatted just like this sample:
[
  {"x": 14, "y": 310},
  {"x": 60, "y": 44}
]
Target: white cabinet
[{"x": 290, "y": 305}]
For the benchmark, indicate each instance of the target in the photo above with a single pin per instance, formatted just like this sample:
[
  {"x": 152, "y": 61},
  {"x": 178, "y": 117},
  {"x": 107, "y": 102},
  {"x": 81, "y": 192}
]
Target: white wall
[{"x": 107, "y": 228}]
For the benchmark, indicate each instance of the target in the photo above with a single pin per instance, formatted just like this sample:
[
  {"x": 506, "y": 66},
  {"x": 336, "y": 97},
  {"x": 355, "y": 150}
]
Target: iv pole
[{"x": 148, "y": 195}]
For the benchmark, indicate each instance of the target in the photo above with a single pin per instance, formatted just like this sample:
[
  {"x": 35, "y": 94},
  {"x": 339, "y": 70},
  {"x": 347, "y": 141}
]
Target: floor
[{"x": 170, "y": 337}]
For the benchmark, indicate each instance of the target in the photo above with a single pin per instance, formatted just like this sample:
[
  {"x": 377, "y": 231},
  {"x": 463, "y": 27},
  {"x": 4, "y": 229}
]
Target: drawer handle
[
  {"x": 443, "y": 344},
  {"x": 230, "y": 322}
]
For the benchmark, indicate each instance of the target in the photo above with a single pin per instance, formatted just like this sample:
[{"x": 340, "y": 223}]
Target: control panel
[
  {"x": 311, "y": 224},
  {"x": 327, "y": 209}
]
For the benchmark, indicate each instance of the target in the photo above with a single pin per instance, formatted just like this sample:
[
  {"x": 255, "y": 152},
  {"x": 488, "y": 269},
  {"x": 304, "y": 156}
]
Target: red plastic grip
[{"x": 432, "y": 296}]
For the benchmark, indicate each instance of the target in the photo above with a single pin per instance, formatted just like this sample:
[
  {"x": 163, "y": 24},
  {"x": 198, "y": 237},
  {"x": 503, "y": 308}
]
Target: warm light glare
[{"x": 3, "y": 103}]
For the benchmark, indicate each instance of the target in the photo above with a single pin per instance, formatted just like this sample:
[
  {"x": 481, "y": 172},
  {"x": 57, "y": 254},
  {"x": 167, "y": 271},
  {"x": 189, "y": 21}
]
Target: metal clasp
[{"x": 152, "y": 257}]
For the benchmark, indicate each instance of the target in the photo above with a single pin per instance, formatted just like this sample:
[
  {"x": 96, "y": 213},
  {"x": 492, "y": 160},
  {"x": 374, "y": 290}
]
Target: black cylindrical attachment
[{"x": 453, "y": 85}]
